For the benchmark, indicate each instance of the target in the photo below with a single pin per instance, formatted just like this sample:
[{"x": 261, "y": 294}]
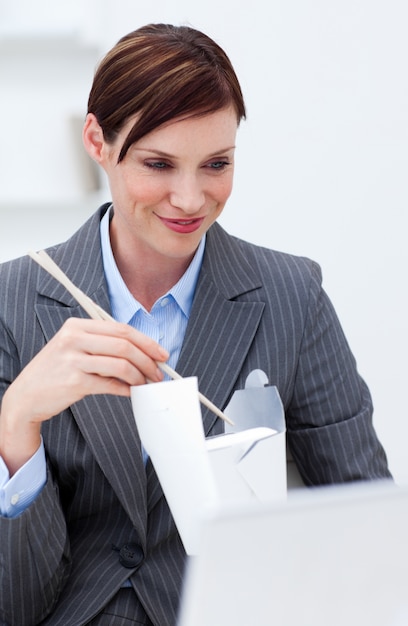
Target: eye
[
  {"x": 157, "y": 165},
  {"x": 219, "y": 165}
]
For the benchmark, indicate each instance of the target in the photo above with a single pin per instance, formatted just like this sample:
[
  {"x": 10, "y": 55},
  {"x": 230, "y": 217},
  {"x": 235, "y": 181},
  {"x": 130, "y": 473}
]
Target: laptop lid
[{"x": 332, "y": 556}]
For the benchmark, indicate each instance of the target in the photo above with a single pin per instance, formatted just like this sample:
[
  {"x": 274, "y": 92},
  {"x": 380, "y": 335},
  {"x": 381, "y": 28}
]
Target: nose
[{"x": 187, "y": 194}]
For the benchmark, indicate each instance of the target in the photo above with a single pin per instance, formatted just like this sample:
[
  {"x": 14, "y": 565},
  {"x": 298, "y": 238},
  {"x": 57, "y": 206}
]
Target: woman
[{"x": 87, "y": 536}]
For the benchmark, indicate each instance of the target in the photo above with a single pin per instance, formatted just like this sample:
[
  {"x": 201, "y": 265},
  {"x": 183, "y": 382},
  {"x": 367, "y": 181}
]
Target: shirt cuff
[{"x": 19, "y": 491}]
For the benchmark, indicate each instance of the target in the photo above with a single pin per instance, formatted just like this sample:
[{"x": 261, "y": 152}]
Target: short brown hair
[{"x": 161, "y": 72}]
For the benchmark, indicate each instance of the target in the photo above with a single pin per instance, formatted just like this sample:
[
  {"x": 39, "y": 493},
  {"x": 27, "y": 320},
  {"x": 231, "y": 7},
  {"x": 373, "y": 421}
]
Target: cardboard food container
[{"x": 201, "y": 476}]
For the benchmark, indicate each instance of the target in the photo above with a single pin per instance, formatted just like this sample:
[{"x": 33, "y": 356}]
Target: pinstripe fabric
[
  {"x": 253, "y": 308},
  {"x": 118, "y": 610}
]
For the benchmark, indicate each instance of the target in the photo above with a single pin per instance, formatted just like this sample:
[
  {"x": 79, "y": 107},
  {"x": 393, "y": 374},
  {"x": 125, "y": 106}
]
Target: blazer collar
[{"x": 224, "y": 263}]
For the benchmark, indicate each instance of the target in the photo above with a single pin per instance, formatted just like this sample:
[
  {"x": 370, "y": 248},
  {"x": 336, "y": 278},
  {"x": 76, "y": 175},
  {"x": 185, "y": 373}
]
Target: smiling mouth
[
  {"x": 178, "y": 221},
  {"x": 183, "y": 226}
]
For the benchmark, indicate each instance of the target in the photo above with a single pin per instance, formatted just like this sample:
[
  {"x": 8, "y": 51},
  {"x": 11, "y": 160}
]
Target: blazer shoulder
[
  {"x": 16, "y": 276},
  {"x": 262, "y": 254},
  {"x": 269, "y": 265},
  {"x": 21, "y": 276}
]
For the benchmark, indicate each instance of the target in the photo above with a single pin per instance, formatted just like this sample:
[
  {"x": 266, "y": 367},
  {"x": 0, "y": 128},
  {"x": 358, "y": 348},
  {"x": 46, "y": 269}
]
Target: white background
[{"x": 321, "y": 161}]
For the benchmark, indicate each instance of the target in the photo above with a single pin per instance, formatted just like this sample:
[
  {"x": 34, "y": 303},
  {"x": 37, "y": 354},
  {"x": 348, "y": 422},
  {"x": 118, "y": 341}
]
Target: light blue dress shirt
[{"x": 166, "y": 323}]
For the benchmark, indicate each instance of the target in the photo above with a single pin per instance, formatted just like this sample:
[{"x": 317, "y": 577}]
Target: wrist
[{"x": 19, "y": 438}]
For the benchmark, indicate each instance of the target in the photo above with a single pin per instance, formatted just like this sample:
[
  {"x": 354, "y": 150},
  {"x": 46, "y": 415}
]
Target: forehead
[{"x": 213, "y": 129}]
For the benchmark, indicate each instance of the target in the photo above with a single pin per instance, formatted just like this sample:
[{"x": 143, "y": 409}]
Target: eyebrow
[{"x": 166, "y": 155}]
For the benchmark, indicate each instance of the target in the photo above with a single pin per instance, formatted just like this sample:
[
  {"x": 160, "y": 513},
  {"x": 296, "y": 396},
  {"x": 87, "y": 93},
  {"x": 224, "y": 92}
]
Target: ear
[{"x": 92, "y": 136}]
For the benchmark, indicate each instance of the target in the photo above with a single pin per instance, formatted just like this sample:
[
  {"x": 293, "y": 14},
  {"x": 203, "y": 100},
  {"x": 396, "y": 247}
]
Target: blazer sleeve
[
  {"x": 329, "y": 419},
  {"x": 34, "y": 560},
  {"x": 34, "y": 550}
]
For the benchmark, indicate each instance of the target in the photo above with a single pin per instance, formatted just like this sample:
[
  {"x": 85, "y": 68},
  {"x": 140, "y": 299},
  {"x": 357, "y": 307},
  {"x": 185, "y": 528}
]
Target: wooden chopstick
[{"x": 96, "y": 312}]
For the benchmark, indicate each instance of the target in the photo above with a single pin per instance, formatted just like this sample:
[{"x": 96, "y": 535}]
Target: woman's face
[{"x": 172, "y": 184}]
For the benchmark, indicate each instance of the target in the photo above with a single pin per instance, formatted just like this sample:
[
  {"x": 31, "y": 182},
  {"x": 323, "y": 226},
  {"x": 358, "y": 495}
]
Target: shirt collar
[{"x": 123, "y": 304}]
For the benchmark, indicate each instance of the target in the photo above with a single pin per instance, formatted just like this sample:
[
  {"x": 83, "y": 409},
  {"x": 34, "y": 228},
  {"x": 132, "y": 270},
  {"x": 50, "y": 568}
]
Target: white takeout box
[{"x": 201, "y": 476}]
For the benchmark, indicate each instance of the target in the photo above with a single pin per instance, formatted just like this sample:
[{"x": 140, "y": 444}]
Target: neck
[
  {"x": 147, "y": 273},
  {"x": 147, "y": 282}
]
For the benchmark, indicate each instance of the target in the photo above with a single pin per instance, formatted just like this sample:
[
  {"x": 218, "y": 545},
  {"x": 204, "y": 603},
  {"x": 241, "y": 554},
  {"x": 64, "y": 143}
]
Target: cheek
[
  {"x": 143, "y": 189},
  {"x": 224, "y": 190}
]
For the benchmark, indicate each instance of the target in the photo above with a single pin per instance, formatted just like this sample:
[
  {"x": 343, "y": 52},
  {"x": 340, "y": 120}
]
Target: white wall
[{"x": 321, "y": 162}]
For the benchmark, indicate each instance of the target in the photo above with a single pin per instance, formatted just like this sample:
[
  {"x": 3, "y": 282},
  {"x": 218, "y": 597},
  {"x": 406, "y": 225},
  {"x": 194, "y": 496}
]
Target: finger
[
  {"x": 108, "y": 356},
  {"x": 121, "y": 331},
  {"x": 115, "y": 367}
]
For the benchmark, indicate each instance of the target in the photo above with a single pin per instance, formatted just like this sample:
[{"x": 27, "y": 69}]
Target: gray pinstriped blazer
[{"x": 253, "y": 308}]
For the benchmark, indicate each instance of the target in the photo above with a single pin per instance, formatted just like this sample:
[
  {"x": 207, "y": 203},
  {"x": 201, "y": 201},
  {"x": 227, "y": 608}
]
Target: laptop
[{"x": 330, "y": 556}]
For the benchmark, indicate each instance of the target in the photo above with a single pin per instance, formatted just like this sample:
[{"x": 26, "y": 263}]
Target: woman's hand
[{"x": 85, "y": 357}]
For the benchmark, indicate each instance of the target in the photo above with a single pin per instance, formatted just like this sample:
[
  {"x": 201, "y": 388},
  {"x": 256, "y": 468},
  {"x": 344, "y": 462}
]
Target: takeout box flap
[
  {"x": 249, "y": 465},
  {"x": 263, "y": 468}
]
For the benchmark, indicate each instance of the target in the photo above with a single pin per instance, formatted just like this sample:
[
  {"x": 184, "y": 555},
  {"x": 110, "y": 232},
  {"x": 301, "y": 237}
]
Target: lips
[{"x": 182, "y": 226}]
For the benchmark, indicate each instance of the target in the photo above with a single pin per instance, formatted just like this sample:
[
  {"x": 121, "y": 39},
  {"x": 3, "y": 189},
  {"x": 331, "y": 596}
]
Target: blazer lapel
[
  {"x": 216, "y": 344},
  {"x": 106, "y": 422}
]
